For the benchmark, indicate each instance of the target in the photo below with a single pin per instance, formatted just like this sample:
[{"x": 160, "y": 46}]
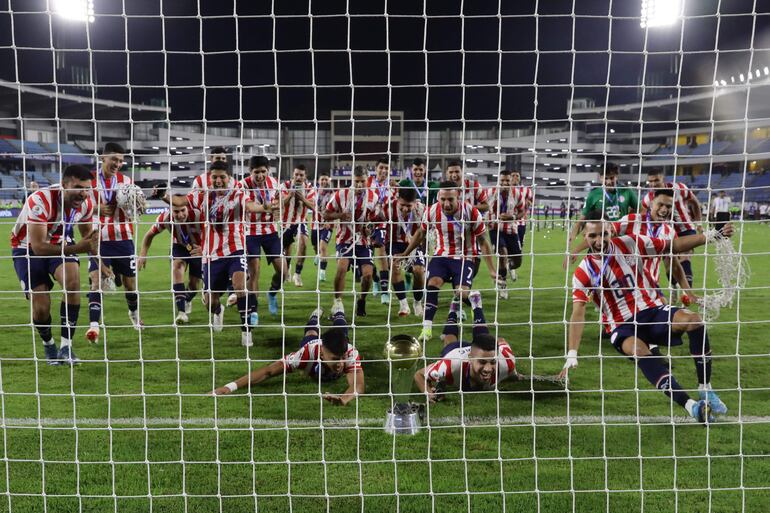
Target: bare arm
[
  {"x": 483, "y": 206},
  {"x": 146, "y": 243},
  {"x": 486, "y": 250},
  {"x": 38, "y": 232},
  {"x": 688, "y": 242},
  {"x": 355, "y": 388},
  {"x": 253, "y": 378},
  {"x": 424, "y": 385},
  {"x": 417, "y": 239},
  {"x": 575, "y": 334},
  {"x": 674, "y": 266},
  {"x": 697, "y": 211}
]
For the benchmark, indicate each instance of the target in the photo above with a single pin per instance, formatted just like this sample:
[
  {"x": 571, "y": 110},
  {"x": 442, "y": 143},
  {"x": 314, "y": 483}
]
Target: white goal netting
[{"x": 528, "y": 107}]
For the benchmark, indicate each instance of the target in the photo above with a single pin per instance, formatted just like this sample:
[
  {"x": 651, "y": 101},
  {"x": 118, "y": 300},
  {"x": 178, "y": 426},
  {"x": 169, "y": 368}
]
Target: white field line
[{"x": 203, "y": 422}]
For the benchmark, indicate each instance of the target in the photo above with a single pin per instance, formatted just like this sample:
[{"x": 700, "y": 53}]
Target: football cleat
[
  {"x": 51, "y": 354},
  {"x": 67, "y": 356},
  {"x": 403, "y": 310},
  {"x": 322, "y": 275},
  {"x": 253, "y": 319},
  {"x": 246, "y": 340},
  {"x": 475, "y": 299},
  {"x": 337, "y": 307},
  {"x": 217, "y": 320},
  {"x": 272, "y": 303},
  {"x": 232, "y": 299},
  {"x": 188, "y": 307},
  {"x": 702, "y": 412},
  {"x": 419, "y": 309},
  {"x": 426, "y": 334},
  {"x": 297, "y": 280},
  {"x": 385, "y": 298},
  {"x": 135, "y": 320},
  {"x": 181, "y": 318},
  {"x": 716, "y": 404}
]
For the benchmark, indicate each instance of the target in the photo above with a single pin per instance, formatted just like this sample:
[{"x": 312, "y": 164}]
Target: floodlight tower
[{"x": 72, "y": 67}]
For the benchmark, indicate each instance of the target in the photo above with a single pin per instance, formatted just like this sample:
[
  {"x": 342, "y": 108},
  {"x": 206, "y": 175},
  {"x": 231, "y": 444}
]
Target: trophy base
[{"x": 403, "y": 419}]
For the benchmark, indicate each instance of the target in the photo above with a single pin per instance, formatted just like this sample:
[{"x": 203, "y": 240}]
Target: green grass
[{"x": 84, "y": 459}]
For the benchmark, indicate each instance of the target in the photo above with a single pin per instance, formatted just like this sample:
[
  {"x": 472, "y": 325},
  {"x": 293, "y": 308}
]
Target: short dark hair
[
  {"x": 77, "y": 172},
  {"x": 383, "y": 160},
  {"x": 359, "y": 171},
  {"x": 218, "y": 149},
  {"x": 301, "y": 167},
  {"x": 655, "y": 171},
  {"x": 258, "y": 161},
  {"x": 663, "y": 192},
  {"x": 506, "y": 172},
  {"x": 446, "y": 184},
  {"x": 112, "y": 147},
  {"x": 407, "y": 193},
  {"x": 611, "y": 169},
  {"x": 453, "y": 163},
  {"x": 595, "y": 215},
  {"x": 485, "y": 342},
  {"x": 335, "y": 340},
  {"x": 418, "y": 162},
  {"x": 324, "y": 173},
  {"x": 219, "y": 166}
]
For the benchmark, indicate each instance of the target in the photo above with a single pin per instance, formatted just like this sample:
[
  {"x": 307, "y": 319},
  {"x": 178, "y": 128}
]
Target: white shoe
[
  {"x": 217, "y": 320},
  {"x": 135, "y": 320},
  {"x": 297, "y": 280},
  {"x": 181, "y": 318},
  {"x": 419, "y": 309},
  {"x": 232, "y": 299},
  {"x": 403, "y": 310},
  {"x": 338, "y": 307},
  {"x": 92, "y": 335},
  {"x": 502, "y": 290},
  {"x": 317, "y": 313},
  {"x": 108, "y": 284},
  {"x": 188, "y": 307},
  {"x": 475, "y": 299},
  {"x": 512, "y": 274},
  {"x": 246, "y": 339},
  {"x": 322, "y": 275},
  {"x": 384, "y": 298}
]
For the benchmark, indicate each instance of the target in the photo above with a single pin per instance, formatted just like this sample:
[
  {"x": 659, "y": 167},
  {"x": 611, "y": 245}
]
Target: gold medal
[{"x": 189, "y": 247}]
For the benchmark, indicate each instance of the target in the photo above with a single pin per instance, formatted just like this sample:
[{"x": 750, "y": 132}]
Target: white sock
[
  {"x": 48, "y": 342},
  {"x": 689, "y": 406},
  {"x": 65, "y": 342},
  {"x": 704, "y": 387},
  {"x": 427, "y": 324},
  {"x": 93, "y": 324}
]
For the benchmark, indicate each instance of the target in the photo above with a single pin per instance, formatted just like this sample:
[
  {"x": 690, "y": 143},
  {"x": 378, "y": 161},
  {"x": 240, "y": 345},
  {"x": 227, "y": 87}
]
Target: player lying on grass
[
  {"x": 43, "y": 246},
  {"x": 615, "y": 277},
  {"x": 324, "y": 359},
  {"x": 478, "y": 365}
]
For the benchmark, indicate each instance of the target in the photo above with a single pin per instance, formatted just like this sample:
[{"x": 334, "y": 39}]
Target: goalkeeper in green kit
[{"x": 613, "y": 201}]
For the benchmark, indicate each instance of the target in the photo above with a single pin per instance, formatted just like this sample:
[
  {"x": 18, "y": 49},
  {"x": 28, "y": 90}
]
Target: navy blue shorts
[
  {"x": 522, "y": 231},
  {"x": 270, "y": 244},
  {"x": 218, "y": 273},
  {"x": 458, "y": 271},
  {"x": 653, "y": 326},
  {"x": 317, "y": 236},
  {"x": 194, "y": 264},
  {"x": 418, "y": 254},
  {"x": 317, "y": 367},
  {"x": 118, "y": 255},
  {"x": 378, "y": 237},
  {"x": 34, "y": 271},
  {"x": 363, "y": 254},
  {"x": 290, "y": 233},
  {"x": 451, "y": 347},
  {"x": 510, "y": 241}
]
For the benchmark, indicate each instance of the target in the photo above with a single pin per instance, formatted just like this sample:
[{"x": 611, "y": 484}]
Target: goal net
[{"x": 539, "y": 112}]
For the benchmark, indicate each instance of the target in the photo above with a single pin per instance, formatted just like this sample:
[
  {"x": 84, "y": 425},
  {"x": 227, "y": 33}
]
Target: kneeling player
[
  {"x": 43, "y": 247},
  {"x": 325, "y": 358},
  {"x": 185, "y": 224},
  {"x": 479, "y": 365},
  {"x": 613, "y": 275}
]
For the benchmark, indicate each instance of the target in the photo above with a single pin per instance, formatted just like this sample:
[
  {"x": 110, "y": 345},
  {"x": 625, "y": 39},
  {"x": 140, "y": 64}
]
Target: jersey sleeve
[
  {"x": 641, "y": 245},
  {"x": 590, "y": 203},
  {"x": 352, "y": 360},
  {"x": 482, "y": 196},
  {"x": 299, "y": 359},
  {"x": 39, "y": 210},
  {"x": 334, "y": 203},
  {"x": 506, "y": 362},
  {"x": 581, "y": 285},
  {"x": 478, "y": 227},
  {"x": 88, "y": 215},
  {"x": 426, "y": 219},
  {"x": 646, "y": 201},
  {"x": 443, "y": 371},
  {"x": 633, "y": 199},
  {"x": 160, "y": 224}
]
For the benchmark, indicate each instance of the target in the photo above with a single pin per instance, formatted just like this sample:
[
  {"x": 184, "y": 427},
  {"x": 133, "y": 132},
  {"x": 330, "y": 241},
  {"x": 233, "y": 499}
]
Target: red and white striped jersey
[
  {"x": 296, "y": 211},
  {"x": 456, "y": 235},
  {"x": 473, "y": 193},
  {"x": 400, "y": 227},
  {"x": 188, "y": 233},
  {"x": 305, "y": 357},
  {"x": 364, "y": 210},
  {"x": 524, "y": 194},
  {"x": 505, "y": 202},
  {"x": 322, "y": 198},
  {"x": 224, "y": 227},
  {"x": 44, "y": 206},
  {"x": 454, "y": 368},
  {"x": 202, "y": 182},
  {"x": 620, "y": 284},
  {"x": 119, "y": 226},
  {"x": 635, "y": 224},
  {"x": 682, "y": 196},
  {"x": 383, "y": 190},
  {"x": 263, "y": 223}
]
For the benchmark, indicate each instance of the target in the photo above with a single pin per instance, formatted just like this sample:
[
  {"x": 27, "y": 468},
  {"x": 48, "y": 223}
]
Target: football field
[{"x": 132, "y": 428}]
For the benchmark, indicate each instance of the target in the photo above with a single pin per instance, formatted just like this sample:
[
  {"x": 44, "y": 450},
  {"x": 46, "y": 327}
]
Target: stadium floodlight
[
  {"x": 75, "y": 10},
  {"x": 741, "y": 77},
  {"x": 723, "y": 82},
  {"x": 660, "y": 13}
]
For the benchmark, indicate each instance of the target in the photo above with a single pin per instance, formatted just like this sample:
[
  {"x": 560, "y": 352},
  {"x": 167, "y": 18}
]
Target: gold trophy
[{"x": 403, "y": 353}]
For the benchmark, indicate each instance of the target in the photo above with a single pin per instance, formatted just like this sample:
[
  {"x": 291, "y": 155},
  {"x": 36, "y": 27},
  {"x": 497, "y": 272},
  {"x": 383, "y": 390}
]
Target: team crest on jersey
[
  {"x": 622, "y": 199},
  {"x": 37, "y": 210}
]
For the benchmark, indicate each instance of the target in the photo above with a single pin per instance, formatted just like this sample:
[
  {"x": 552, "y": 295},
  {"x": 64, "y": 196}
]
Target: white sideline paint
[{"x": 300, "y": 423}]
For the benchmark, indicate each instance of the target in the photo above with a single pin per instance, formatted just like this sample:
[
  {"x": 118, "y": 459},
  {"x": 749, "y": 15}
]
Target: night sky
[{"x": 222, "y": 51}]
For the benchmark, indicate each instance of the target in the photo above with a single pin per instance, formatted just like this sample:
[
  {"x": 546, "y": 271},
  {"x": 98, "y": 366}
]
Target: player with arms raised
[
  {"x": 614, "y": 276},
  {"x": 323, "y": 358},
  {"x": 43, "y": 246},
  {"x": 116, "y": 247},
  {"x": 459, "y": 230}
]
